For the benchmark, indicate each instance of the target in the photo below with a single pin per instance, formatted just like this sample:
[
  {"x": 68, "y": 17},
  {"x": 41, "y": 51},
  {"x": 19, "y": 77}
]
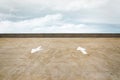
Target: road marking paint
[
  {"x": 34, "y": 50},
  {"x": 83, "y": 50}
]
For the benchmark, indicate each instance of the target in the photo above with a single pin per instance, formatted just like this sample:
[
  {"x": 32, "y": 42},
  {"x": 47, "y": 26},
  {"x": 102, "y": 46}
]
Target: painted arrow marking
[{"x": 83, "y": 50}]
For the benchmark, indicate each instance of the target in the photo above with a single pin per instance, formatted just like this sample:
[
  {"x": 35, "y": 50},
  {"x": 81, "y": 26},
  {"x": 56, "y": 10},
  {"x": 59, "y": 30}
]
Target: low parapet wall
[{"x": 60, "y": 35}]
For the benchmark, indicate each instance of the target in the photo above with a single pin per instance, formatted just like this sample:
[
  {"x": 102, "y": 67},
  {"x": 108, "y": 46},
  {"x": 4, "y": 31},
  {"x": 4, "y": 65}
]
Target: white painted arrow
[
  {"x": 34, "y": 50},
  {"x": 83, "y": 50}
]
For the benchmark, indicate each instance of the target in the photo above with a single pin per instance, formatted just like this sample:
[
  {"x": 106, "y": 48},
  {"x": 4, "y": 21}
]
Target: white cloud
[
  {"x": 48, "y": 24},
  {"x": 34, "y": 22},
  {"x": 29, "y": 15},
  {"x": 93, "y": 9},
  {"x": 28, "y": 25},
  {"x": 69, "y": 5},
  {"x": 99, "y": 20},
  {"x": 65, "y": 28},
  {"x": 64, "y": 5}
]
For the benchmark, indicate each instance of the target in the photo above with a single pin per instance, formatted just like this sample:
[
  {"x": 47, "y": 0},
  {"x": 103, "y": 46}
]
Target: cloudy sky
[{"x": 59, "y": 16}]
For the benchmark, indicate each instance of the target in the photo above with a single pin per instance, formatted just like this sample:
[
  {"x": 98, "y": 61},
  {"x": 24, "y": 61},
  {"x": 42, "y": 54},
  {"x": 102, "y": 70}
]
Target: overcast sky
[{"x": 59, "y": 16}]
